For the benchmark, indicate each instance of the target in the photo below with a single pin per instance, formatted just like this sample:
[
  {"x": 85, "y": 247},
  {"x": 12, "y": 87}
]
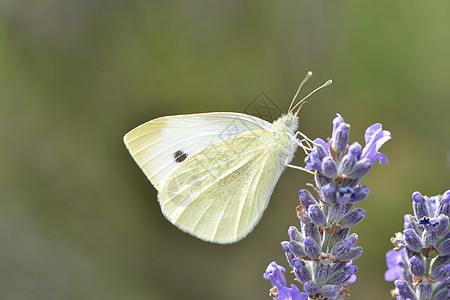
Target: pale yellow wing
[
  {"x": 220, "y": 193},
  {"x": 161, "y": 145}
]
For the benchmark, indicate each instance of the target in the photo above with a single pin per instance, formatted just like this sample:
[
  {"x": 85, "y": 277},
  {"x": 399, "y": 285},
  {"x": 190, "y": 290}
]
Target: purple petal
[
  {"x": 285, "y": 293},
  {"x": 371, "y": 131},
  {"x": 375, "y": 138},
  {"x": 336, "y": 122},
  {"x": 394, "y": 262},
  {"x": 275, "y": 273},
  {"x": 352, "y": 279},
  {"x": 324, "y": 145}
]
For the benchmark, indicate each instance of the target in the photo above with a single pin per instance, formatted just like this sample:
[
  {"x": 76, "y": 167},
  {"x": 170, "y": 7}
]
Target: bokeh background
[{"x": 78, "y": 219}]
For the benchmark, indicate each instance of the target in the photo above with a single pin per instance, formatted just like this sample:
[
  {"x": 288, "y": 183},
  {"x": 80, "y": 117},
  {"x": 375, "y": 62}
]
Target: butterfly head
[{"x": 290, "y": 121}]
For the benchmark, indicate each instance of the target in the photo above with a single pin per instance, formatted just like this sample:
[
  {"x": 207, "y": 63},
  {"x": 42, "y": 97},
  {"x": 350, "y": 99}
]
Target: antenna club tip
[
  {"x": 309, "y": 73},
  {"x": 329, "y": 81}
]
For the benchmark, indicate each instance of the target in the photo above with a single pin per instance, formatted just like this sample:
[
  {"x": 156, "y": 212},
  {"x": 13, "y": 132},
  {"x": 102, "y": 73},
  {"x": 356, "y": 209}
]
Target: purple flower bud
[
  {"x": 444, "y": 248},
  {"x": 301, "y": 271},
  {"x": 285, "y": 246},
  {"x": 316, "y": 215},
  {"x": 424, "y": 290},
  {"x": 410, "y": 223},
  {"x": 420, "y": 206},
  {"x": 441, "y": 272},
  {"x": 335, "y": 267},
  {"x": 432, "y": 203},
  {"x": 353, "y": 254},
  {"x": 404, "y": 290},
  {"x": 336, "y": 212},
  {"x": 329, "y": 193},
  {"x": 444, "y": 204},
  {"x": 320, "y": 147},
  {"x": 353, "y": 217},
  {"x": 443, "y": 224},
  {"x": 330, "y": 291},
  {"x": 287, "y": 252},
  {"x": 338, "y": 120},
  {"x": 338, "y": 237},
  {"x": 352, "y": 269},
  {"x": 446, "y": 236},
  {"x": 412, "y": 240},
  {"x": 347, "y": 164},
  {"x": 313, "y": 161},
  {"x": 297, "y": 249},
  {"x": 353, "y": 238},
  {"x": 310, "y": 230},
  {"x": 311, "y": 248},
  {"x": 446, "y": 197},
  {"x": 343, "y": 275},
  {"x": 321, "y": 273},
  {"x": 361, "y": 193},
  {"x": 311, "y": 288},
  {"x": 442, "y": 293},
  {"x": 329, "y": 168},
  {"x": 441, "y": 261},
  {"x": 444, "y": 284},
  {"x": 417, "y": 196},
  {"x": 275, "y": 273},
  {"x": 416, "y": 266},
  {"x": 361, "y": 168},
  {"x": 341, "y": 249},
  {"x": 345, "y": 194},
  {"x": 355, "y": 150},
  {"x": 339, "y": 140},
  {"x": 349, "y": 160},
  {"x": 429, "y": 238},
  {"x": 306, "y": 198},
  {"x": 295, "y": 234}
]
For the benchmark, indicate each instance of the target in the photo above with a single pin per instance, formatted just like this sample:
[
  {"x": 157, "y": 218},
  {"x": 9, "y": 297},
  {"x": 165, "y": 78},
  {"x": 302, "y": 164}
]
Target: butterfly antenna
[
  {"x": 308, "y": 76},
  {"x": 329, "y": 81}
]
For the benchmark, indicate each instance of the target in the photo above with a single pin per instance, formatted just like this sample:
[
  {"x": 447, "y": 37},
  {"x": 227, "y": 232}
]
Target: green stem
[
  {"x": 326, "y": 239},
  {"x": 427, "y": 267}
]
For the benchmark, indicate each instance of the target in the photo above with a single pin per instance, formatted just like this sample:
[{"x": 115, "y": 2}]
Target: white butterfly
[{"x": 215, "y": 172}]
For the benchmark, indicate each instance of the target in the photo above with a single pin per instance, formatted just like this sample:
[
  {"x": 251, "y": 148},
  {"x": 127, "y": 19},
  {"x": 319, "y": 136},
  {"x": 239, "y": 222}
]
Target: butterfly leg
[
  {"x": 305, "y": 138},
  {"x": 305, "y": 149},
  {"x": 301, "y": 169}
]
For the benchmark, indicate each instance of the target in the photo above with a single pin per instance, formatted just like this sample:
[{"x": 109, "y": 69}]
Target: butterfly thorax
[{"x": 284, "y": 131}]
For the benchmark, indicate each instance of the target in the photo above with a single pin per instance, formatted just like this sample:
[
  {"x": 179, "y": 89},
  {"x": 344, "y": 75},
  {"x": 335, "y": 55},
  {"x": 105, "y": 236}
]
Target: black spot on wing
[{"x": 179, "y": 156}]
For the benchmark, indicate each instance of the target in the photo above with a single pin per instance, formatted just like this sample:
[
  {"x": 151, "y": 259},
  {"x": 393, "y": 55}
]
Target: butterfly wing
[
  {"x": 214, "y": 172},
  {"x": 161, "y": 145},
  {"x": 220, "y": 193}
]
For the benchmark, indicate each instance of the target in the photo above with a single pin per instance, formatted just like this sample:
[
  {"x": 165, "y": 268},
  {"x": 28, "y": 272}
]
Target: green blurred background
[{"x": 78, "y": 219}]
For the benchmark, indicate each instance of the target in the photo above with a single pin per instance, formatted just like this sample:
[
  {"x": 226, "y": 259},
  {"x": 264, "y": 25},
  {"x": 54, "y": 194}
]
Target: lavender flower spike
[
  {"x": 322, "y": 250},
  {"x": 419, "y": 265}
]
